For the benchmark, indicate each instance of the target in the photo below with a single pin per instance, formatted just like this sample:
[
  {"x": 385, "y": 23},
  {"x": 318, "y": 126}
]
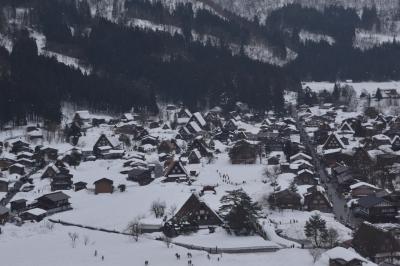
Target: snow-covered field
[{"x": 43, "y": 246}]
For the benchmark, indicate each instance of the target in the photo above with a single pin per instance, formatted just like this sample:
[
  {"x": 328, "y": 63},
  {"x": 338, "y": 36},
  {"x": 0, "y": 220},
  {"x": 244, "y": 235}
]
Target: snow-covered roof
[
  {"x": 128, "y": 116},
  {"x": 200, "y": 119},
  {"x": 36, "y": 211},
  {"x": 305, "y": 171},
  {"x": 195, "y": 126},
  {"x": 300, "y": 154},
  {"x": 344, "y": 254},
  {"x": 197, "y": 153},
  {"x": 83, "y": 114},
  {"x": 360, "y": 184}
]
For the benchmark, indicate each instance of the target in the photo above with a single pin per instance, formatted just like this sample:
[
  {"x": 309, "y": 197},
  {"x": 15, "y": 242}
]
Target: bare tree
[
  {"x": 315, "y": 253},
  {"x": 158, "y": 208},
  {"x": 332, "y": 237},
  {"x": 49, "y": 225},
  {"x": 74, "y": 237},
  {"x": 271, "y": 174},
  {"x": 135, "y": 228},
  {"x": 86, "y": 240},
  {"x": 167, "y": 241}
]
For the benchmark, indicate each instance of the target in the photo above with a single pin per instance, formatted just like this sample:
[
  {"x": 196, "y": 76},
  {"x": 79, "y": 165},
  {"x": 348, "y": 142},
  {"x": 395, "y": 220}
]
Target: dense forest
[
  {"x": 133, "y": 67},
  {"x": 130, "y": 66}
]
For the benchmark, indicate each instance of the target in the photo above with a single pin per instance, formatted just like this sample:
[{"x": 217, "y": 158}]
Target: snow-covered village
[
  {"x": 199, "y": 132},
  {"x": 315, "y": 185}
]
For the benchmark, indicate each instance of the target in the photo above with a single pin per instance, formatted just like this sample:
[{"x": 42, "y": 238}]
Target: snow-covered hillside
[
  {"x": 315, "y": 37},
  {"x": 366, "y": 40},
  {"x": 261, "y": 8}
]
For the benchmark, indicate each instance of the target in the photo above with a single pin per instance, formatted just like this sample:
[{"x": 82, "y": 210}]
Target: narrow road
[
  {"x": 17, "y": 186},
  {"x": 340, "y": 210}
]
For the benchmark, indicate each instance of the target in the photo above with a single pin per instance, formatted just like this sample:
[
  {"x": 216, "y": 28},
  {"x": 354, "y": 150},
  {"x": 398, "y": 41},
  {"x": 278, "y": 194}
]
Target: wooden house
[
  {"x": 54, "y": 202},
  {"x": 183, "y": 116},
  {"x": 20, "y": 146},
  {"x": 6, "y": 162},
  {"x": 185, "y": 133},
  {"x": 199, "y": 119},
  {"x": 316, "y": 199},
  {"x": 142, "y": 175},
  {"x": 61, "y": 181},
  {"x": 346, "y": 128},
  {"x": 381, "y": 139},
  {"x": 168, "y": 146},
  {"x": 17, "y": 169},
  {"x": 300, "y": 156},
  {"x": 243, "y": 152},
  {"x": 199, "y": 144},
  {"x": 274, "y": 144},
  {"x": 361, "y": 159},
  {"x": 50, "y": 172},
  {"x": 340, "y": 256},
  {"x": 175, "y": 171},
  {"x": 376, "y": 209},
  {"x": 80, "y": 186},
  {"x": 127, "y": 117},
  {"x": 286, "y": 199},
  {"x": 231, "y": 125},
  {"x": 333, "y": 142},
  {"x": 362, "y": 189},
  {"x": 102, "y": 145},
  {"x": 35, "y": 214},
  {"x": 380, "y": 242},
  {"x": 82, "y": 117},
  {"x": 194, "y": 157},
  {"x": 149, "y": 140},
  {"x": 305, "y": 177},
  {"x": 18, "y": 205},
  {"x": 196, "y": 211},
  {"x": 193, "y": 128},
  {"x": 396, "y": 143},
  {"x": 103, "y": 185},
  {"x": 273, "y": 160},
  {"x": 48, "y": 153}
]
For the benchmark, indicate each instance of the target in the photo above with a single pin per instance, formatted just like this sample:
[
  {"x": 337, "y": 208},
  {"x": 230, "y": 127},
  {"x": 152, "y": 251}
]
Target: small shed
[
  {"x": 103, "y": 185},
  {"x": 80, "y": 185},
  {"x": 18, "y": 205}
]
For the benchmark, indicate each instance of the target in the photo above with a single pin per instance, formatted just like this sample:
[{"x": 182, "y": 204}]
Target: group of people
[{"x": 226, "y": 179}]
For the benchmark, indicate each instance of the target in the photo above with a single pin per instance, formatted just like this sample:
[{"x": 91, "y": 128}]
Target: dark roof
[
  {"x": 104, "y": 180},
  {"x": 19, "y": 201},
  {"x": 369, "y": 201},
  {"x": 56, "y": 196},
  {"x": 81, "y": 183}
]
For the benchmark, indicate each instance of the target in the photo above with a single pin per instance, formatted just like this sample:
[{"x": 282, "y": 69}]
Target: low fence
[{"x": 217, "y": 250}]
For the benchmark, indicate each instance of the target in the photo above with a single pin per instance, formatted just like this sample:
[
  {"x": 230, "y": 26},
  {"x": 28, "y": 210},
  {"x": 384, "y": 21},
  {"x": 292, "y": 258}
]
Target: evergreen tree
[
  {"x": 315, "y": 229},
  {"x": 239, "y": 211},
  {"x": 336, "y": 93},
  {"x": 378, "y": 95}
]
